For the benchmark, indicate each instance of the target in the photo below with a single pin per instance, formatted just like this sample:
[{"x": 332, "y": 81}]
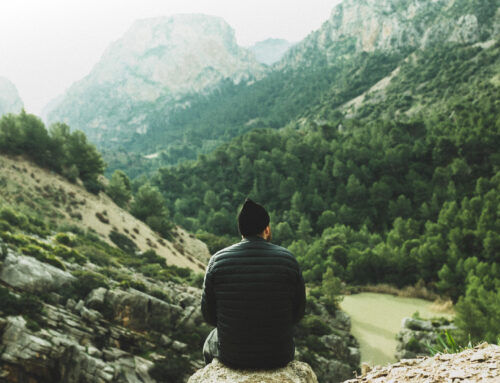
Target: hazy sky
[{"x": 46, "y": 45}]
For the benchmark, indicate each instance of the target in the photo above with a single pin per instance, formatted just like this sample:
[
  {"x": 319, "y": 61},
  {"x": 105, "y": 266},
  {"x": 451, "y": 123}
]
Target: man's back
[{"x": 254, "y": 293}]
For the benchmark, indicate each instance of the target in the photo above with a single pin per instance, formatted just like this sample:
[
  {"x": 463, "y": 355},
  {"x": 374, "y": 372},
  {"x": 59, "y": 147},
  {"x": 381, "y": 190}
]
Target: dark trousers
[{"x": 211, "y": 347}]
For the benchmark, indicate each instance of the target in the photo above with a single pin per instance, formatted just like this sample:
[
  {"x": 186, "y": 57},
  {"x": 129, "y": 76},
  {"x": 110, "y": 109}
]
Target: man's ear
[{"x": 267, "y": 231}]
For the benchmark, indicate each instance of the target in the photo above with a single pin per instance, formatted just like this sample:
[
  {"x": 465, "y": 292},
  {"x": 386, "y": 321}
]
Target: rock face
[
  {"x": 31, "y": 275},
  {"x": 417, "y": 334},
  {"x": 10, "y": 102},
  {"x": 480, "y": 364},
  {"x": 157, "y": 62},
  {"x": 389, "y": 26},
  {"x": 216, "y": 372},
  {"x": 271, "y": 50}
]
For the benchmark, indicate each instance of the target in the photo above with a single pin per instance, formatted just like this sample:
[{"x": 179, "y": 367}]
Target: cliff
[
  {"x": 10, "y": 102},
  {"x": 156, "y": 63}
]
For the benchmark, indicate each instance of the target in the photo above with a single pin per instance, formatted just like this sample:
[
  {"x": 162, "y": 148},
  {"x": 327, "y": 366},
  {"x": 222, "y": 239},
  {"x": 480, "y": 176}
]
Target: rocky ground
[{"x": 480, "y": 364}]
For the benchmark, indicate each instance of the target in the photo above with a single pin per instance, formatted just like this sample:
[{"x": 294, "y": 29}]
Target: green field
[{"x": 376, "y": 319}]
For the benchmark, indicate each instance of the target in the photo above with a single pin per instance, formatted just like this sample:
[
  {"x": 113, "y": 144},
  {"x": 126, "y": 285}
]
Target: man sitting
[{"x": 253, "y": 293}]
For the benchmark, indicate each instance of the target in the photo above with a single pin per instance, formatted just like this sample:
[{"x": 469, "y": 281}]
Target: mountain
[
  {"x": 359, "y": 45},
  {"x": 270, "y": 51},
  {"x": 10, "y": 102},
  {"x": 394, "y": 26},
  {"x": 149, "y": 70}
]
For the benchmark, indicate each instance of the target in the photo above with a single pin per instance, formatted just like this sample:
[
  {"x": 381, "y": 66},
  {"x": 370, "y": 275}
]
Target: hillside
[
  {"x": 51, "y": 197},
  {"x": 149, "y": 71},
  {"x": 355, "y": 49},
  {"x": 10, "y": 101}
]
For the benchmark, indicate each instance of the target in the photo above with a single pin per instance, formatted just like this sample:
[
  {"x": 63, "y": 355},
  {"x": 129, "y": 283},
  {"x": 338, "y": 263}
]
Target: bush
[
  {"x": 312, "y": 324},
  {"x": 85, "y": 283},
  {"x": 5, "y": 226},
  {"x": 64, "y": 239},
  {"x": 70, "y": 255},
  {"x": 123, "y": 242}
]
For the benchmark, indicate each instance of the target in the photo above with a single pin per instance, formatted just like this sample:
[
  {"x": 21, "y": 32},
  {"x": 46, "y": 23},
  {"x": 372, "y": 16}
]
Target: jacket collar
[{"x": 253, "y": 238}]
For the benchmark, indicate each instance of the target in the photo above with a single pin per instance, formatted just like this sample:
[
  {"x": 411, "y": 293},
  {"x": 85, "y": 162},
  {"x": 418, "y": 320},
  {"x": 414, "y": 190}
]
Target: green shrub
[
  {"x": 70, "y": 255},
  {"x": 85, "y": 283},
  {"x": 34, "y": 251},
  {"x": 414, "y": 345},
  {"x": 312, "y": 324},
  {"x": 5, "y": 226},
  {"x": 26, "y": 304},
  {"x": 123, "y": 242},
  {"x": 9, "y": 215},
  {"x": 64, "y": 239}
]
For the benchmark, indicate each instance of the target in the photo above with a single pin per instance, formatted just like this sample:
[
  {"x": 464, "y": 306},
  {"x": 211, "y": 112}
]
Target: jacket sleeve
[
  {"x": 300, "y": 299},
  {"x": 208, "y": 297}
]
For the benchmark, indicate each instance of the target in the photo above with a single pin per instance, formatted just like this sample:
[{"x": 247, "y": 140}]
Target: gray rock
[
  {"x": 141, "y": 311},
  {"x": 95, "y": 299},
  {"x": 216, "y": 372},
  {"x": 417, "y": 324},
  {"x": 179, "y": 346},
  {"x": 90, "y": 315},
  {"x": 29, "y": 274}
]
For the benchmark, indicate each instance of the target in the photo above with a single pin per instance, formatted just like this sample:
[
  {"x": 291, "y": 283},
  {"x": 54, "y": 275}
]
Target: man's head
[{"x": 253, "y": 220}]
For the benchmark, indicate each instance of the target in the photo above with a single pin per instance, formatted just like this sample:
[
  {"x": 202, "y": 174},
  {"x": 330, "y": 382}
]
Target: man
[{"x": 253, "y": 293}]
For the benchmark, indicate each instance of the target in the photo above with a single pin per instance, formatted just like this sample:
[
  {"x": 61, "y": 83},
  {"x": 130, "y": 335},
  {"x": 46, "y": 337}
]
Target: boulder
[
  {"x": 216, "y": 372},
  {"x": 29, "y": 274}
]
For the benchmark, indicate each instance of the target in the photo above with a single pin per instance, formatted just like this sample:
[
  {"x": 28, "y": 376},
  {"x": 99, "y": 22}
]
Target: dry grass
[
  {"x": 417, "y": 291},
  {"x": 90, "y": 212}
]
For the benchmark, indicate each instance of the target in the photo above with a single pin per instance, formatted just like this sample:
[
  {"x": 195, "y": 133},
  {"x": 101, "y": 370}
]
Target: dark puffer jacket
[{"x": 254, "y": 293}]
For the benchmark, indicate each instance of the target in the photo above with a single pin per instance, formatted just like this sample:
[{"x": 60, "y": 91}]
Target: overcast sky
[{"x": 46, "y": 45}]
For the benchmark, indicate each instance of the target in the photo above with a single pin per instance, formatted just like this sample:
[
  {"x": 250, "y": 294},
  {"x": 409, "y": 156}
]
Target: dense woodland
[{"x": 406, "y": 190}]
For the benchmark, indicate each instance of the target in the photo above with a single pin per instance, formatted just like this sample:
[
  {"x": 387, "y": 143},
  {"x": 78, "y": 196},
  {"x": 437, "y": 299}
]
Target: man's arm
[
  {"x": 300, "y": 299},
  {"x": 208, "y": 297}
]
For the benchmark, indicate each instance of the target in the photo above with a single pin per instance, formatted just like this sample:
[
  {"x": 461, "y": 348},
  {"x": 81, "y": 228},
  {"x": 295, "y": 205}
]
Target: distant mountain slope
[
  {"x": 25, "y": 185},
  {"x": 10, "y": 102},
  {"x": 356, "y": 48},
  {"x": 271, "y": 50},
  {"x": 148, "y": 70}
]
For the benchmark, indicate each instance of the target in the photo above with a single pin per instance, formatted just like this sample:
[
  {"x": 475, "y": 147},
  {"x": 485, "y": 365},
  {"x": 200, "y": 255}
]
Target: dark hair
[{"x": 252, "y": 218}]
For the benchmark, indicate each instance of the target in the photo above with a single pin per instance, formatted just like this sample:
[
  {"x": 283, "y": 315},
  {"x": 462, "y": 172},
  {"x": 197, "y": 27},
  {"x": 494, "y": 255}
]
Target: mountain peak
[
  {"x": 157, "y": 60},
  {"x": 10, "y": 102}
]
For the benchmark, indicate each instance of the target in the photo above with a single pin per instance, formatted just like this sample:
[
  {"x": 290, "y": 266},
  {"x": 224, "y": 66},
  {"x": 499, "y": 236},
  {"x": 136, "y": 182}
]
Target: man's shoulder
[{"x": 253, "y": 247}]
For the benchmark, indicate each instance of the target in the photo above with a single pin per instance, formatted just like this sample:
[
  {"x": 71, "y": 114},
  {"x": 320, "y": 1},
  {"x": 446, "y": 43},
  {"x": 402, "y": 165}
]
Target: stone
[
  {"x": 417, "y": 324},
  {"x": 95, "y": 299},
  {"x": 216, "y": 372},
  {"x": 179, "y": 346},
  {"x": 29, "y": 274}
]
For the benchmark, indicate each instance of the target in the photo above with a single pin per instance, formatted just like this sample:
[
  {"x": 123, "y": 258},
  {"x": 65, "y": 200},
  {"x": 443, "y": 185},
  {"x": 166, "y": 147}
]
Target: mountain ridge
[{"x": 155, "y": 63}]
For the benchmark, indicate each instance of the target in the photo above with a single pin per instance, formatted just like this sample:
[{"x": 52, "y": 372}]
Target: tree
[
  {"x": 119, "y": 188},
  {"x": 332, "y": 288}
]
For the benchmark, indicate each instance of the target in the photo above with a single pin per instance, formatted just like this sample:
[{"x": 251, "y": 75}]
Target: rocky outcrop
[
  {"x": 156, "y": 63},
  {"x": 10, "y": 102},
  {"x": 29, "y": 274},
  {"x": 388, "y": 26},
  {"x": 480, "y": 364},
  {"x": 417, "y": 335},
  {"x": 270, "y": 51},
  {"x": 216, "y": 372}
]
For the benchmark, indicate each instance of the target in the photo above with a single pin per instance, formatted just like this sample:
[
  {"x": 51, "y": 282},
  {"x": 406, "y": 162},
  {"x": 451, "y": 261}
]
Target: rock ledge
[
  {"x": 480, "y": 364},
  {"x": 216, "y": 372}
]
